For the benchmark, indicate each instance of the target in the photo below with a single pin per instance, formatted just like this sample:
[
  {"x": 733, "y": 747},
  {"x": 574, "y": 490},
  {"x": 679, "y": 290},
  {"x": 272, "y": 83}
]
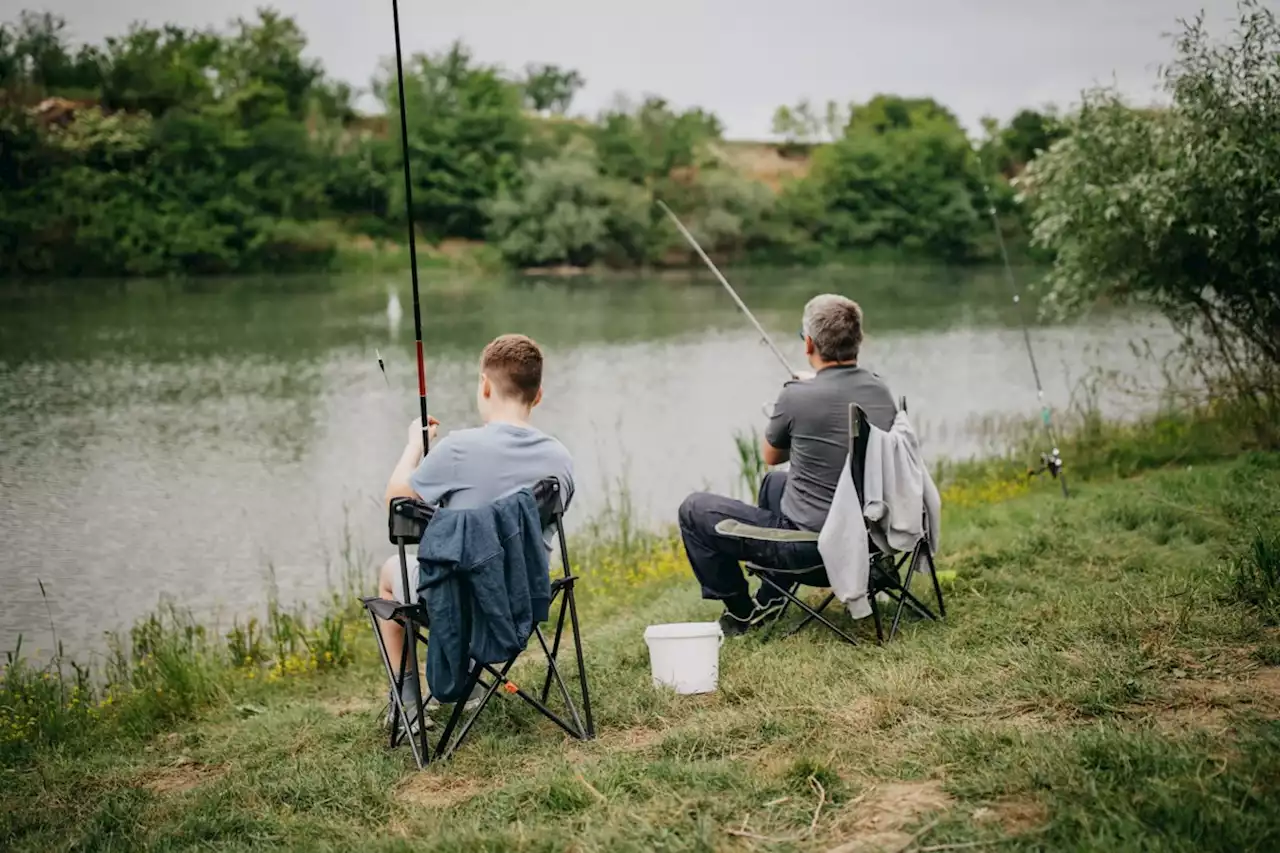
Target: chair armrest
[{"x": 740, "y": 530}]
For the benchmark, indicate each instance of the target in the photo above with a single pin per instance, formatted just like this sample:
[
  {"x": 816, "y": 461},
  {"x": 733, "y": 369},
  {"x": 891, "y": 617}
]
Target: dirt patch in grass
[
  {"x": 426, "y": 790},
  {"x": 1014, "y": 816},
  {"x": 1266, "y": 682},
  {"x": 877, "y": 819},
  {"x": 183, "y": 775},
  {"x": 344, "y": 706},
  {"x": 1206, "y": 703}
]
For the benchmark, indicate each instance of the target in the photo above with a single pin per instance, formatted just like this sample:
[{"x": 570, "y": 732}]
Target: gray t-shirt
[
  {"x": 473, "y": 467},
  {"x": 811, "y": 419}
]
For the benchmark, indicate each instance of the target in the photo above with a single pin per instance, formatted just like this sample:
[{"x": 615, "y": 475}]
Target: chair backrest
[
  {"x": 859, "y": 432},
  {"x": 409, "y": 517}
]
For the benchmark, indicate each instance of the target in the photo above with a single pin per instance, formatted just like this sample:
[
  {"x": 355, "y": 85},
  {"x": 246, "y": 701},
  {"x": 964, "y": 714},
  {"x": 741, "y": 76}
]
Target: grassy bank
[{"x": 1106, "y": 679}]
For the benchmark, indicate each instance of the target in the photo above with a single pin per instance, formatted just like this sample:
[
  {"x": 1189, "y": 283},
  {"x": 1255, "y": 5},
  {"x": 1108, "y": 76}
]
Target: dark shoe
[
  {"x": 734, "y": 626},
  {"x": 884, "y": 573}
]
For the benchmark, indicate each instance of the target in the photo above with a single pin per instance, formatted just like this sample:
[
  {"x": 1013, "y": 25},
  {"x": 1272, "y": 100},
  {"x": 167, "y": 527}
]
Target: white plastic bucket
[{"x": 685, "y": 655}]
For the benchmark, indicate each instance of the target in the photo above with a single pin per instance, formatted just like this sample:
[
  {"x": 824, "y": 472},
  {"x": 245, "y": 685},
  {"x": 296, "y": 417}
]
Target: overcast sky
[{"x": 739, "y": 58}]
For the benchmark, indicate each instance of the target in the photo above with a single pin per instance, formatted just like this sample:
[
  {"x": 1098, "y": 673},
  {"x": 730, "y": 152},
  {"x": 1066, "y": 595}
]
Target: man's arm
[
  {"x": 776, "y": 446},
  {"x": 400, "y": 484},
  {"x": 773, "y": 455}
]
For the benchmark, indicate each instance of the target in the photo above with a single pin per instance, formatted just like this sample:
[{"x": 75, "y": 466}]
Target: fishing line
[
  {"x": 745, "y": 310},
  {"x": 1050, "y": 462}
]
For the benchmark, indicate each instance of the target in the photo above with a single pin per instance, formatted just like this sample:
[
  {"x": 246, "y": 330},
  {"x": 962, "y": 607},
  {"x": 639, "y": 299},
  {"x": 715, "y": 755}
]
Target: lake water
[{"x": 190, "y": 441}]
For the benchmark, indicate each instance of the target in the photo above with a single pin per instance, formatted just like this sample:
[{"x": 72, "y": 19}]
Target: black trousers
[{"x": 715, "y": 559}]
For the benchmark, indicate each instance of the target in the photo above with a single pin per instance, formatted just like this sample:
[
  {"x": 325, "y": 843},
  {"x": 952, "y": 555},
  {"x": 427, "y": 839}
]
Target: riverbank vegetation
[
  {"x": 1106, "y": 677},
  {"x": 1177, "y": 210},
  {"x": 171, "y": 150}
]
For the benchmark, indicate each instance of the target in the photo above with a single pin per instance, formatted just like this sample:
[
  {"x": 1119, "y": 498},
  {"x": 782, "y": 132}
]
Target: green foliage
[
  {"x": 34, "y": 55},
  {"x": 549, "y": 89},
  {"x": 567, "y": 212},
  {"x": 801, "y": 127},
  {"x": 198, "y": 160},
  {"x": 751, "y": 467},
  {"x": 1254, "y": 575},
  {"x": 645, "y": 144},
  {"x": 902, "y": 176},
  {"x": 190, "y": 151},
  {"x": 1029, "y": 133},
  {"x": 1177, "y": 207},
  {"x": 466, "y": 139}
]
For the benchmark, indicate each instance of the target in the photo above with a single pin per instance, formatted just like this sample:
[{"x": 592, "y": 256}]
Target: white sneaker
[{"x": 477, "y": 694}]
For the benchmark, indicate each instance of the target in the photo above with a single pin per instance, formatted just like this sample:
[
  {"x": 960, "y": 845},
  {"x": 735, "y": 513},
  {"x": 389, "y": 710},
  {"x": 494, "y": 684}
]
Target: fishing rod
[
  {"x": 745, "y": 310},
  {"x": 413, "y": 246},
  {"x": 1050, "y": 462}
]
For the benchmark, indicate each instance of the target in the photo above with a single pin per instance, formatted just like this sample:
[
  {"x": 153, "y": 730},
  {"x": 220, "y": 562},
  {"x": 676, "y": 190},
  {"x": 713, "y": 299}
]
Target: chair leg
[
  {"x": 831, "y": 596},
  {"x": 937, "y": 586},
  {"x": 554, "y": 670},
  {"x": 577, "y": 635},
  {"x": 555, "y": 644},
  {"x": 419, "y": 741},
  {"x": 813, "y": 613},
  {"x": 408, "y": 663},
  {"x": 906, "y": 597},
  {"x": 532, "y": 700},
  {"x": 444, "y": 748},
  {"x": 875, "y": 615}
]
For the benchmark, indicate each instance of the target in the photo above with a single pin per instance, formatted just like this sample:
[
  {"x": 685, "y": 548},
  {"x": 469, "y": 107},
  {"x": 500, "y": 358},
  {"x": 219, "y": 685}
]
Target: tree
[
  {"x": 647, "y": 143},
  {"x": 35, "y": 53},
  {"x": 1007, "y": 150},
  {"x": 801, "y": 127},
  {"x": 199, "y": 158},
  {"x": 550, "y": 88},
  {"x": 888, "y": 113},
  {"x": 1177, "y": 208},
  {"x": 902, "y": 176},
  {"x": 466, "y": 139},
  {"x": 156, "y": 70},
  {"x": 566, "y": 212}
]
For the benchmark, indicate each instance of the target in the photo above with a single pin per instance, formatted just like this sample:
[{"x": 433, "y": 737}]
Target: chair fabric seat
[
  {"x": 756, "y": 568},
  {"x": 742, "y": 530},
  {"x": 387, "y": 609}
]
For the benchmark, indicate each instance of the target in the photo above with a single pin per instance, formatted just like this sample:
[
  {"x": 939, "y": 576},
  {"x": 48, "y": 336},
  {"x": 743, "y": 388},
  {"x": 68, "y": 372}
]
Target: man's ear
[
  {"x": 537, "y": 398},
  {"x": 808, "y": 345},
  {"x": 486, "y": 387}
]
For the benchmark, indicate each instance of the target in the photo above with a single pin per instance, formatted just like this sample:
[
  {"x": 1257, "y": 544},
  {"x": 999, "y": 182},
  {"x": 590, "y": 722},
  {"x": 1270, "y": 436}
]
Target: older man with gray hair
[{"x": 808, "y": 427}]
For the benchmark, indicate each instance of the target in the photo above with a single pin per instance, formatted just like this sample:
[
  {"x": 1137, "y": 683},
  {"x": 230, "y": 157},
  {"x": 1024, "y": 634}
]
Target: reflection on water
[{"x": 189, "y": 440}]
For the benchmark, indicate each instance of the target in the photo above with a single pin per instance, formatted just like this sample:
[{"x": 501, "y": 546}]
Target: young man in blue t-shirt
[{"x": 473, "y": 467}]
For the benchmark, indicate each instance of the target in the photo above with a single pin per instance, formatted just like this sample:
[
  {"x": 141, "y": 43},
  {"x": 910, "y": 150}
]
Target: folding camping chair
[
  {"x": 407, "y": 522},
  {"x": 885, "y": 571}
]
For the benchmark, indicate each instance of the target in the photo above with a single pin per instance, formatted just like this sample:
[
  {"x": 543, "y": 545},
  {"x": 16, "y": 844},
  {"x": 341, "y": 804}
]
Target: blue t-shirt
[{"x": 473, "y": 467}]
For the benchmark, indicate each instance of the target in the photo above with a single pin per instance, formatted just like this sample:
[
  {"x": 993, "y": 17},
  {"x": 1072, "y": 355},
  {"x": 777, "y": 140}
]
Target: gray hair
[{"x": 835, "y": 325}]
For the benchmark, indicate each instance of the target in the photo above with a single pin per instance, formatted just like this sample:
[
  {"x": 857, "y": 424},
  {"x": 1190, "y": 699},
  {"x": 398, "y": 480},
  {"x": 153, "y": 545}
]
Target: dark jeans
[{"x": 715, "y": 559}]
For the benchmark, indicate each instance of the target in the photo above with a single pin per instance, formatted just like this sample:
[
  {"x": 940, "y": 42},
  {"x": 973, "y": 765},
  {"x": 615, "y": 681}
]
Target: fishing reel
[{"x": 1050, "y": 463}]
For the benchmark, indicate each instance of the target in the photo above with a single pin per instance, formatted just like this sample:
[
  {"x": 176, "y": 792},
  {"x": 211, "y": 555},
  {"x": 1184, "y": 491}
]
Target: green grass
[{"x": 1104, "y": 681}]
